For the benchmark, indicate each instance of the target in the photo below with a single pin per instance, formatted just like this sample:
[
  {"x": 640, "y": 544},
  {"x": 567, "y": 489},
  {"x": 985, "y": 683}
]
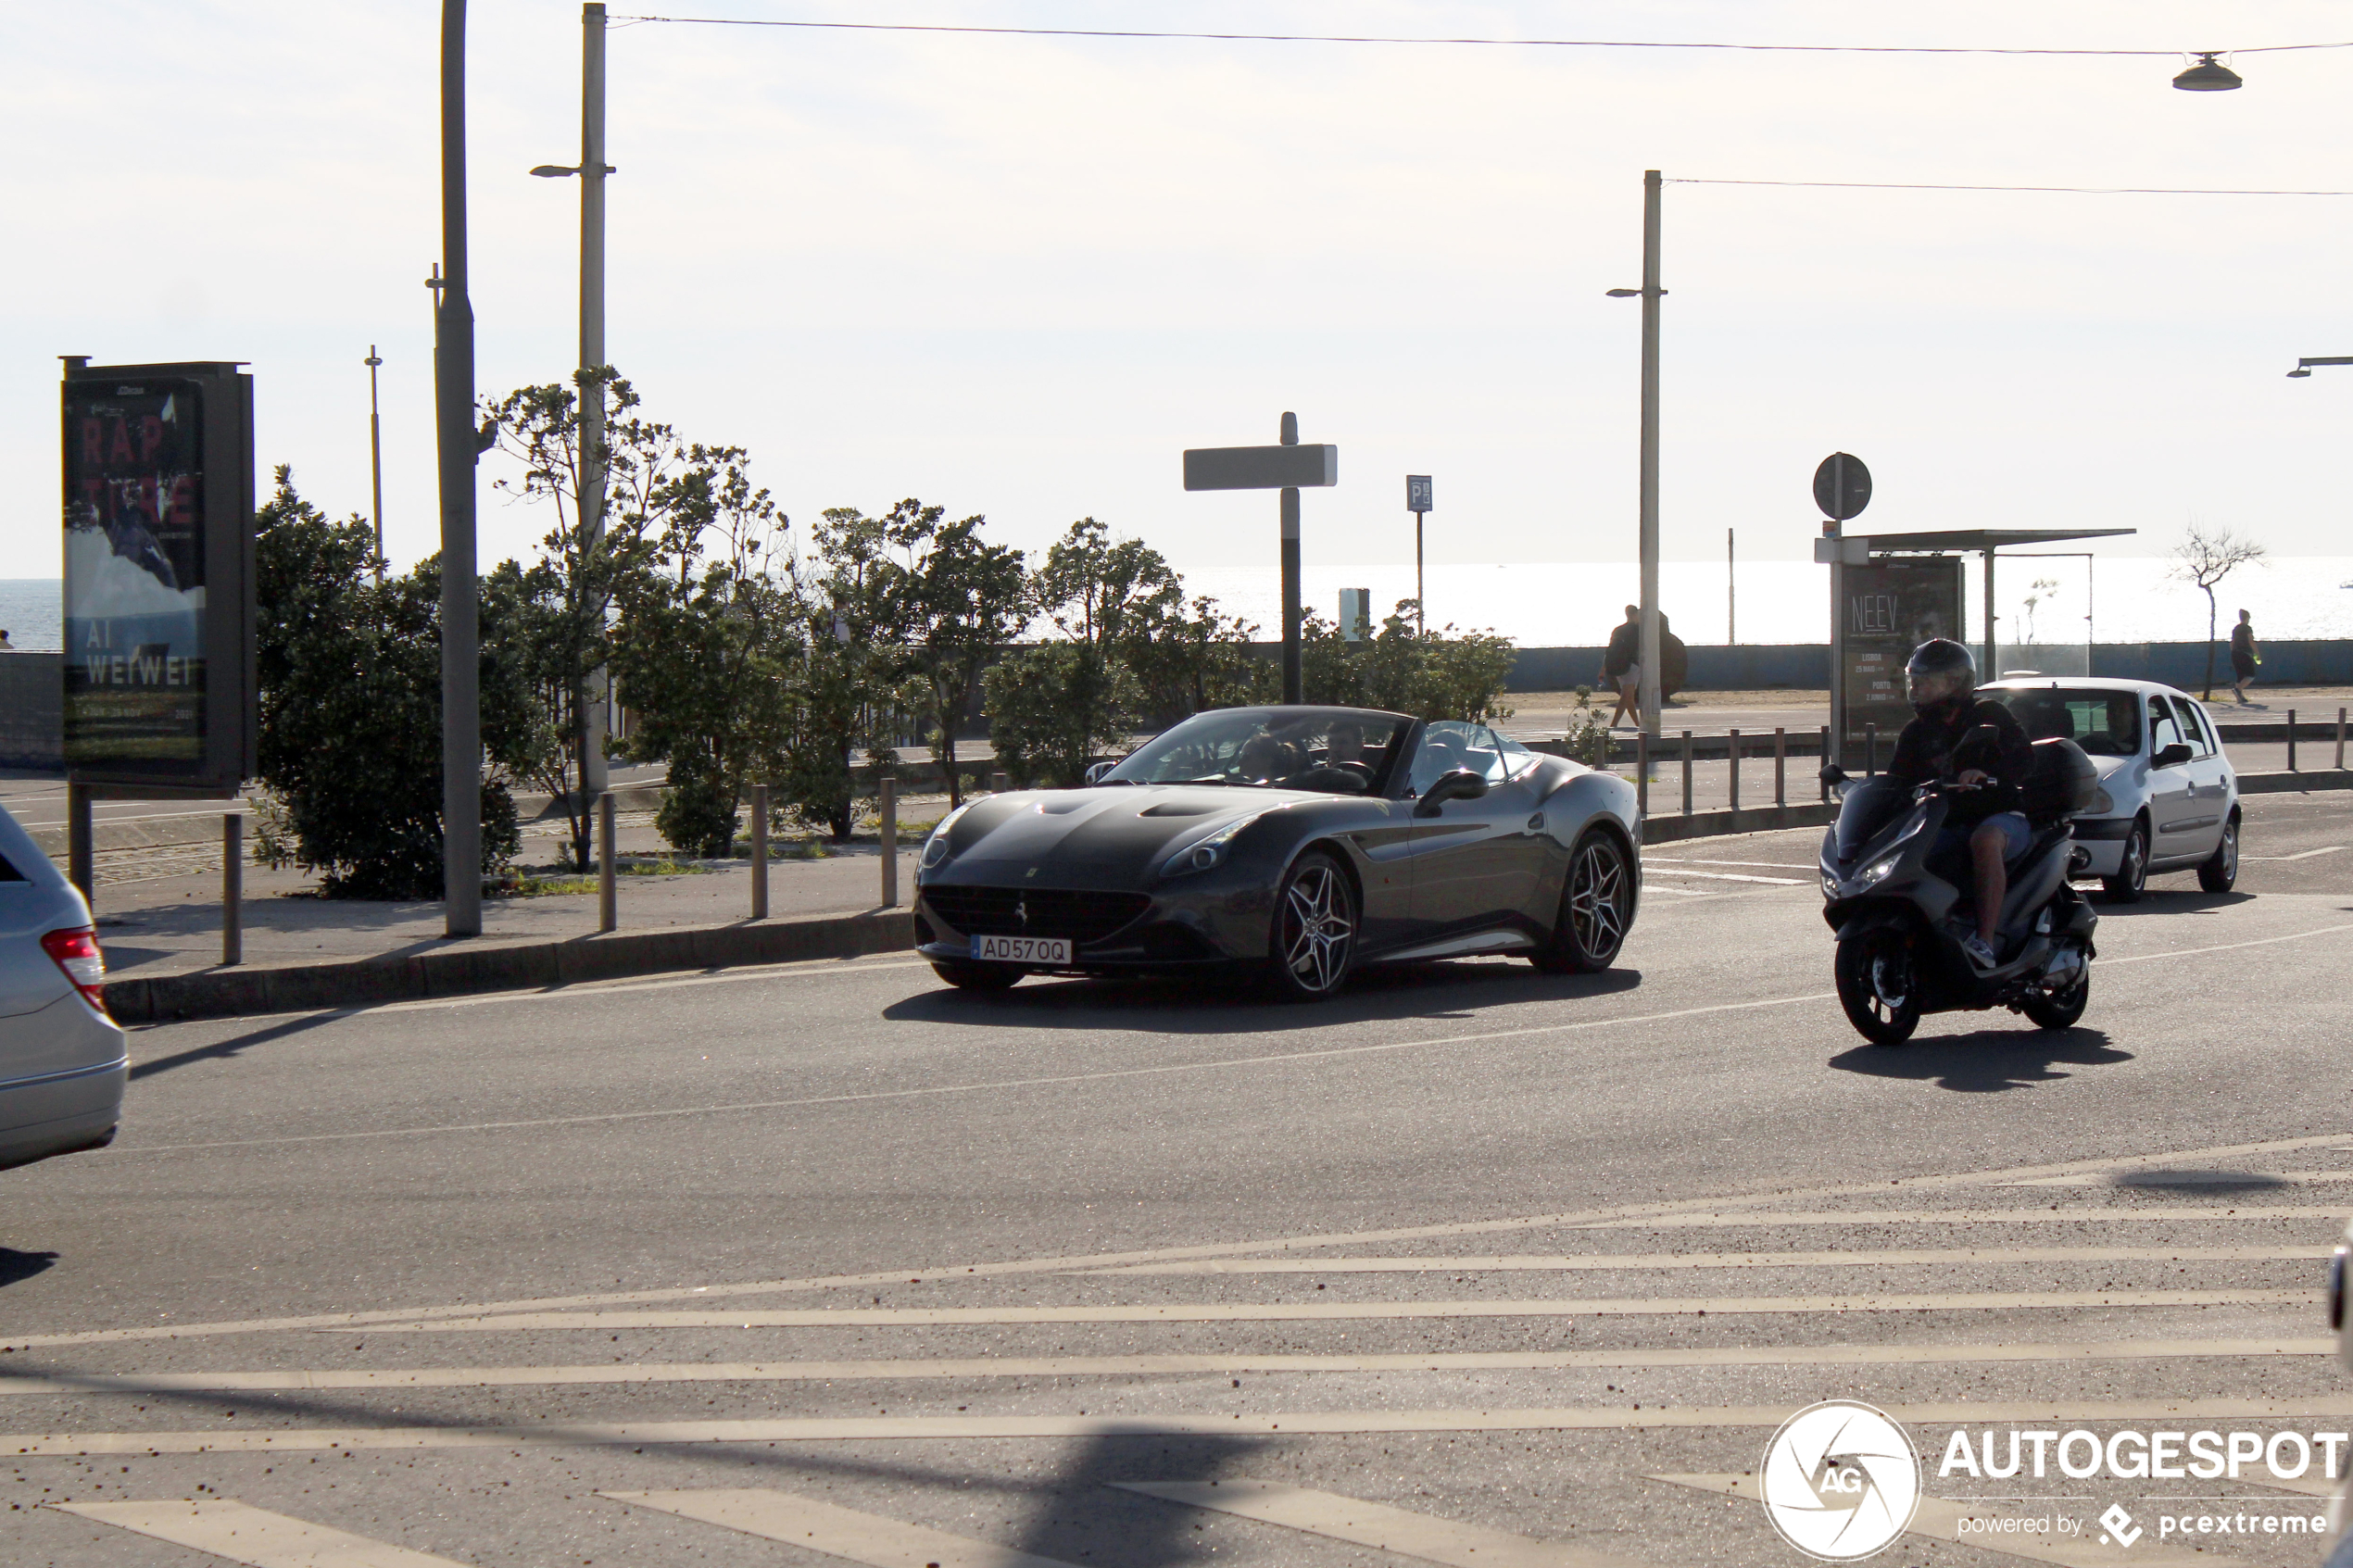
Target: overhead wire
[{"x": 1454, "y": 42}]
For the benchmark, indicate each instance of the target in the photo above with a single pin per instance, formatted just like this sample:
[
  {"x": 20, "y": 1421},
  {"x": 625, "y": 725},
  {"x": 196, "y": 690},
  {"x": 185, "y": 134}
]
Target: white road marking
[
  {"x": 1938, "y": 1519},
  {"x": 2225, "y": 946},
  {"x": 1147, "y": 1365},
  {"x": 1854, "y": 1218},
  {"x": 1650, "y": 860},
  {"x": 1373, "y": 1525},
  {"x": 1680, "y": 892},
  {"x": 1303, "y": 1423},
  {"x": 1351, "y": 1311},
  {"x": 1715, "y": 1210},
  {"x": 253, "y": 1535},
  {"x": 1728, "y": 876},
  {"x": 1522, "y": 1264},
  {"x": 838, "y": 1532},
  {"x": 2324, "y": 849},
  {"x": 2194, "y": 1178}
]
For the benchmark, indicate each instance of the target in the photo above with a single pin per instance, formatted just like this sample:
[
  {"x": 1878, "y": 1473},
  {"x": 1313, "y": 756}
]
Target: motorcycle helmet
[{"x": 1939, "y": 671}]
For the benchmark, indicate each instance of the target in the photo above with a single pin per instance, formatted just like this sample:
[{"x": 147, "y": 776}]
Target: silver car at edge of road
[
  {"x": 2170, "y": 797},
  {"x": 62, "y": 1060}
]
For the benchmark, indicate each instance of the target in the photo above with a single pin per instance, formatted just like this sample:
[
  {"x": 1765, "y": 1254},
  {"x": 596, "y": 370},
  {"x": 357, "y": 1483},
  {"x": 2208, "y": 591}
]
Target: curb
[
  {"x": 2301, "y": 782},
  {"x": 459, "y": 971},
  {"x": 1673, "y": 827}
]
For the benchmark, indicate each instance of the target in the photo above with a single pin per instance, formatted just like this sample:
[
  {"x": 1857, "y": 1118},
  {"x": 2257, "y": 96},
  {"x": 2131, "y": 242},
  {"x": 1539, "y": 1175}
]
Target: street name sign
[{"x": 1261, "y": 467}]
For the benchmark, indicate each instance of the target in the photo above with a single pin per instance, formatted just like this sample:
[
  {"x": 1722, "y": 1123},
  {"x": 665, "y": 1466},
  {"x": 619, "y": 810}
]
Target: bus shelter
[{"x": 1889, "y": 594}]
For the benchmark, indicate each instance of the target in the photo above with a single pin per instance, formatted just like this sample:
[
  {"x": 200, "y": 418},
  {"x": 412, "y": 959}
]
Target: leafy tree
[
  {"x": 1186, "y": 661},
  {"x": 350, "y": 704},
  {"x": 711, "y": 657},
  {"x": 850, "y": 691},
  {"x": 565, "y": 601},
  {"x": 2204, "y": 558},
  {"x": 952, "y": 602},
  {"x": 1052, "y": 708},
  {"x": 1443, "y": 674}
]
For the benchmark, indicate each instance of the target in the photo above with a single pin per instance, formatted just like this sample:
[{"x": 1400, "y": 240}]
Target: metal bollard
[
  {"x": 1781, "y": 767},
  {"x": 2340, "y": 740},
  {"x": 887, "y": 809},
  {"x": 81, "y": 858},
  {"x": 1733, "y": 745},
  {"x": 1826, "y": 762},
  {"x": 2291, "y": 740},
  {"x": 608, "y": 906},
  {"x": 760, "y": 851},
  {"x": 1641, "y": 774},
  {"x": 233, "y": 888},
  {"x": 1870, "y": 750},
  {"x": 999, "y": 784},
  {"x": 1687, "y": 772}
]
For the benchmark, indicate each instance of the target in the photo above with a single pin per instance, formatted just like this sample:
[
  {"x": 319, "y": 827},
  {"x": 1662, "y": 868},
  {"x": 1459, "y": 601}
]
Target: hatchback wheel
[{"x": 2132, "y": 878}]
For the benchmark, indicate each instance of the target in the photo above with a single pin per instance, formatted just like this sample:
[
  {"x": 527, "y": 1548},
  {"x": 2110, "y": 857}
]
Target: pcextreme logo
[{"x": 1839, "y": 1481}]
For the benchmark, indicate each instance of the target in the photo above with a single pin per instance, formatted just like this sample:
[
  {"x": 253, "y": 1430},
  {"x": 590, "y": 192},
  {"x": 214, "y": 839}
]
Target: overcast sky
[{"x": 1018, "y": 275}]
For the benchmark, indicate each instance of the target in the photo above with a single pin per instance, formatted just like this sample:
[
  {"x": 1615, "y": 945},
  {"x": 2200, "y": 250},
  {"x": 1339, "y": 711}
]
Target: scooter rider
[{"x": 1940, "y": 677}]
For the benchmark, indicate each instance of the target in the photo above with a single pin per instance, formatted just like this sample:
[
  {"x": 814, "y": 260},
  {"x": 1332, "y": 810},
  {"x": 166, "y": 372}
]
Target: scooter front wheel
[{"x": 1879, "y": 985}]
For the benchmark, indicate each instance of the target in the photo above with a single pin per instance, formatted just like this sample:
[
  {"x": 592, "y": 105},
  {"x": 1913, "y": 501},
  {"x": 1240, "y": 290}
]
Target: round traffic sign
[{"x": 1842, "y": 487}]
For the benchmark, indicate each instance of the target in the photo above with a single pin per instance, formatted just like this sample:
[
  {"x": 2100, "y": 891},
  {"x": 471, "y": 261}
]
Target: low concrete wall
[
  {"x": 1807, "y": 666},
  {"x": 32, "y": 712}
]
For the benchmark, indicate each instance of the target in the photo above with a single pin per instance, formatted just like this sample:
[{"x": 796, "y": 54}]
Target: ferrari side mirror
[{"x": 1461, "y": 784}]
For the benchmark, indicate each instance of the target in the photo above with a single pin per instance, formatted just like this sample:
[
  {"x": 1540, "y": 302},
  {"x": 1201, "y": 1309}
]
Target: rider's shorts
[{"x": 2016, "y": 835}]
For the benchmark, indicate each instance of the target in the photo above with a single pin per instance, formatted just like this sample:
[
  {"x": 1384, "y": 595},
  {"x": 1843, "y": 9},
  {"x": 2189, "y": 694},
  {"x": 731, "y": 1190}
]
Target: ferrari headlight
[
  {"x": 1208, "y": 852},
  {"x": 936, "y": 847}
]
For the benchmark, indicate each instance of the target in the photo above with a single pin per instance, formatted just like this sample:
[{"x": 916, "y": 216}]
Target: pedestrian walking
[
  {"x": 1622, "y": 666},
  {"x": 2246, "y": 658}
]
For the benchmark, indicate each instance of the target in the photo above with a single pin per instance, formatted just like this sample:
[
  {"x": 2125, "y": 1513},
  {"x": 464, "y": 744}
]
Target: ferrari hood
[{"x": 1116, "y": 837}]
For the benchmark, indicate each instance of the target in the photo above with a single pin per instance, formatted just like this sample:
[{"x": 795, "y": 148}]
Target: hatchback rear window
[{"x": 2104, "y": 724}]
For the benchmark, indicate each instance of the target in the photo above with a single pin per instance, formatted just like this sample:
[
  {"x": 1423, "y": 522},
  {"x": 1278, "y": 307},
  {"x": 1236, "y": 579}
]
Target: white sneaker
[{"x": 1979, "y": 953}]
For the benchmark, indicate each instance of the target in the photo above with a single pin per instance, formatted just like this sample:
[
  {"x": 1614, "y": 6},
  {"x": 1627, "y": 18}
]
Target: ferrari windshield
[
  {"x": 2105, "y": 723},
  {"x": 1334, "y": 750}
]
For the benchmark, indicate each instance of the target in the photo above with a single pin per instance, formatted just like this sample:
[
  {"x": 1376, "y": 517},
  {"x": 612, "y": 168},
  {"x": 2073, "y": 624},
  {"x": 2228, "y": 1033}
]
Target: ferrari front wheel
[
  {"x": 1597, "y": 907},
  {"x": 1315, "y": 934}
]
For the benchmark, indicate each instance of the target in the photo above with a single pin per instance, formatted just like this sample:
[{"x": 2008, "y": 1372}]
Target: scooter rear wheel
[
  {"x": 2062, "y": 1010},
  {"x": 1879, "y": 985}
]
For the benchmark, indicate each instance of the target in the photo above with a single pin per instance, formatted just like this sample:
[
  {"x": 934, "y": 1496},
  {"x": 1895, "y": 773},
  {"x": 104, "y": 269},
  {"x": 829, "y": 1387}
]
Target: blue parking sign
[{"x": 1417, "y": 492}]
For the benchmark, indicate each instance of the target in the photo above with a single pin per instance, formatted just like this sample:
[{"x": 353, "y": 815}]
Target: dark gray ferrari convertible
[{"x": 1309, "y": 841}]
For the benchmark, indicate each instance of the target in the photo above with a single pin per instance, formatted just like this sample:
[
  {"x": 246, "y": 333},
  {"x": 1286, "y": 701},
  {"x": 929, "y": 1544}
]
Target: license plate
[{"x": 1023, "y": 949}]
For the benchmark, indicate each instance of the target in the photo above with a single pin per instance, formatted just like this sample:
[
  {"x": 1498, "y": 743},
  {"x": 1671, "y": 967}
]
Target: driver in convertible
[{"x": 1942, "y": 743}]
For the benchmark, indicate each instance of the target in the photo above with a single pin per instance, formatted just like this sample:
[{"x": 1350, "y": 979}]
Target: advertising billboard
[
  {"x": 158, "y": 614},
  {"x": 1888, "y": 607}
]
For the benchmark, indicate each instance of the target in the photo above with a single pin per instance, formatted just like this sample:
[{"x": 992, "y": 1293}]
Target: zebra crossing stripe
[
  {"x": 1374, "y": 1525},
  {"x": 1358, "y": 1311},
  {"x": 1940, "y": 1519},
  {"x": 838, "y": 1532},
  {"x": 1566, "y": 1262},
  {"x": 255, "y": 1537},
  {"x": 1301, "y": 1424},
  {"x": 1143, "y": 1365}
]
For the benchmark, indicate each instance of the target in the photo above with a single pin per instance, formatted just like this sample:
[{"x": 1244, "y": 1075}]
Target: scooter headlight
[
  {"x": 1831, "y": 885},
  {"x": 1876, "y": 872}
]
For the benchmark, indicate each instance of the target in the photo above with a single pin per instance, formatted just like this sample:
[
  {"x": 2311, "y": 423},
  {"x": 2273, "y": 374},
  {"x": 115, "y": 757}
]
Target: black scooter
[{"x": 1900, "y": 910}]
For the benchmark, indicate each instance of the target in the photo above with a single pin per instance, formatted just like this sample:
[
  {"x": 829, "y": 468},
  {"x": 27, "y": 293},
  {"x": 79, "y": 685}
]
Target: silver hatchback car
[
  {"x": 62, "y": 1059},
  {"x": 2169, "y": 797}
]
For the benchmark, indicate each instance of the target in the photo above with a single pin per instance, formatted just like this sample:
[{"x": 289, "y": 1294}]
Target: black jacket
[{"x": 1941, "y": 745}]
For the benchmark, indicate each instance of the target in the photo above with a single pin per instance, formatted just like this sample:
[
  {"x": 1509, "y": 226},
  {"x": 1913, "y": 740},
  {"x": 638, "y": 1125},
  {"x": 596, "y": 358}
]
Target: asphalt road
[{"x": 802, "y": 1259}]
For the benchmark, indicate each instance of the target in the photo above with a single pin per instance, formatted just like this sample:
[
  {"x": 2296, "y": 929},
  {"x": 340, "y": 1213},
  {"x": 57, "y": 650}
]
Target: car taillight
[{"x": 77, "y": 953}]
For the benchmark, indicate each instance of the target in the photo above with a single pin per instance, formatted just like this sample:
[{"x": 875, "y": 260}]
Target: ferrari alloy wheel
[
  {"x": 1879, "y": 984},
  {"x": 2220, "y": 869},
  {"x": 1596, "y": 908},
  {"x": 1314, "y": 928}
]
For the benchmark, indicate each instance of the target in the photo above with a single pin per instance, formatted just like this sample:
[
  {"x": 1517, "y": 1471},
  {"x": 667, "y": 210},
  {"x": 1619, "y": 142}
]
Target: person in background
[
  {"x": 5, "y": 646},
  {"x": 1622, "y": 666},
  {"x": 2246, "y": 658}
]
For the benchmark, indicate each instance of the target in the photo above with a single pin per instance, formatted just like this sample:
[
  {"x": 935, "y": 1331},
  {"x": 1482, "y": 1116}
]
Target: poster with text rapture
[{"x": 135, "y": 583}]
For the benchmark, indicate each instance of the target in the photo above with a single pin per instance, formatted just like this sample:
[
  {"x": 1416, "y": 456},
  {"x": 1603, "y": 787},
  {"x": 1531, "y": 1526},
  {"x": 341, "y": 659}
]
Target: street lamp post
[
  {"x": 589, "y": 702},
  {"x": 1650, "y": 293},
  {"x": 2304, "y": 366},
  {"x": 375, "y": 463},
  {"x": 459, "y": 451}
]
